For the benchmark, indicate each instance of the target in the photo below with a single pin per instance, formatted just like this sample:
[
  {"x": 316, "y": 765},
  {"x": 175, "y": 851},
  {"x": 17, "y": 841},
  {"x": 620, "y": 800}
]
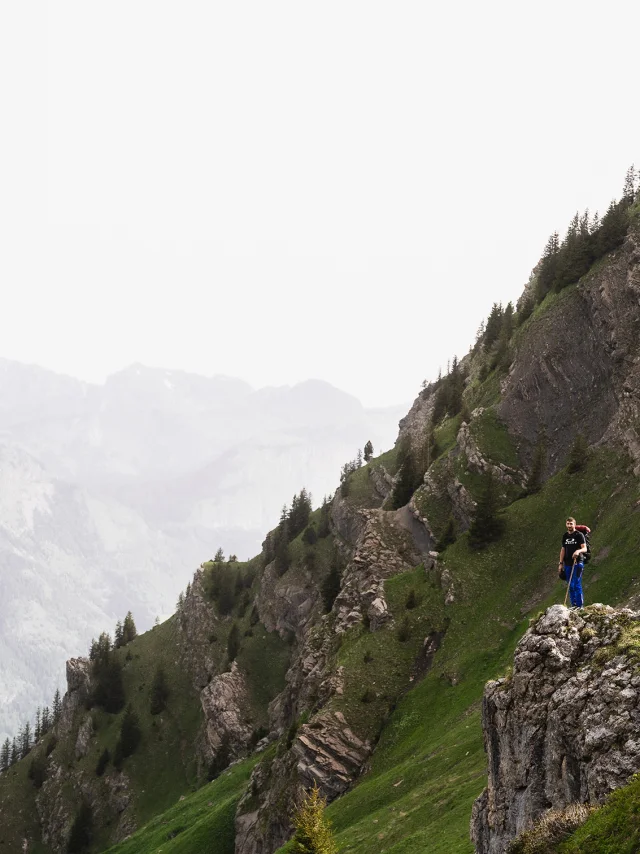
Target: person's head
[{"x": 571, "y": 524}]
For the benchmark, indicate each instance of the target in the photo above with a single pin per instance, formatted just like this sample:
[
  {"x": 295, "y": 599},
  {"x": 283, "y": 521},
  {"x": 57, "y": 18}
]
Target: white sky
[{"x": 284, "y": 190}]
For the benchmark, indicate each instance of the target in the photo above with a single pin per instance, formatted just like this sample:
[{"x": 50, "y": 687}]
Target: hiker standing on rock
[{"x": 571, "y": 565}]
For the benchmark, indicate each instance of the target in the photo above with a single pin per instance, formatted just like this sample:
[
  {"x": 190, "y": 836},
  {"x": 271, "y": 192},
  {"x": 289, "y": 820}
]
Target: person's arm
[
  {"x": 561, "y": 563},
  {"x": 581, "y": 550}
]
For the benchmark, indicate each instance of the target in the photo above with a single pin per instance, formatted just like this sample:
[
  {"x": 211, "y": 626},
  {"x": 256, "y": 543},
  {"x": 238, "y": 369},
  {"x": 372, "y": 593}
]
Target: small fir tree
[
  {"x": 129, "y": 631},
  {"x": 538, "y": 465},
  {"x": 233, "y": 643},
  {"x": 487, "y": 525},
  {"x": 312, "y": 830},
  {"x": 130, "y": 733},
  {"x": 5, "y": 755},
  {"x": 159, "y": 693},
  {"x": 80, "y": 836},
  {"x": 448, "y": 535},
  {"x": 579, "y": 454},
  {"x": 368, "y": 451},
  {"x": 57, "y": 706}
]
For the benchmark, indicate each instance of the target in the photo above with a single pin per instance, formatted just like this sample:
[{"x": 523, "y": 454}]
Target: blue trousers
[{"x": 575, "y": 587}]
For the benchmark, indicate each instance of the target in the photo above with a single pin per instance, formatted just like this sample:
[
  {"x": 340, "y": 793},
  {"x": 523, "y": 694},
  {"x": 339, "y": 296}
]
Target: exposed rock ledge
[{"x": 565, "y": 727}]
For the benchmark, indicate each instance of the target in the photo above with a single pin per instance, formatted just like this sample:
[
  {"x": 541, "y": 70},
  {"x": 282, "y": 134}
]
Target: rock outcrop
[
  {"x": 78, "y": 688},
  {"x": 563, "y": 728},
  {"x": 225, "y": 703}
]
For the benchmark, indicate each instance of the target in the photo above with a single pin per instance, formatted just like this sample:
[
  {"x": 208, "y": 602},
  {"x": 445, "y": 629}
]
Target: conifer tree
[
  {"x": 408, "y": 476},
  {"x": 233, "y": 643},
  {"x": 37, "y": 732},
  {"x": 25, "y": 740},
  {"x": 487, "y": 525},
  {"x": 129, "y": 631},
  {"x": 448, "y": 535},
  {"x": 81, "y": 831},
  {"x": 15, "y": 752},
  {"x": 368, "y": 451},
  {"x": 118, "y": 637},
  {"x": 312, "y": 830},
  {"x": 538, "y": 465},
  {"x": 57, "y": 706},
  {"x": 159, "y": 692},
  {"x": 324, "y": 524},
  {"x": 130, "y": 733},
  {"x": 578, "y": 455},
  {"x": 5, "y": 755},
  {"x": 46, "y": 720},
  {"x": 219, "y": 556},
  {"x": 494, "y": 326}
]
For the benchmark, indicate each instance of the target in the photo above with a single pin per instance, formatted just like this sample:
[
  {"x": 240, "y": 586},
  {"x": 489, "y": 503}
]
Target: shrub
[
  {"x": 313, "y": 832},
  {"x": 404, "y": 632},
  {"x": 159, "y": 692},
  {"x": 412, "y": 600},
  {"x": 103, "y": 761},
  {"x": 551, "y": 830}
]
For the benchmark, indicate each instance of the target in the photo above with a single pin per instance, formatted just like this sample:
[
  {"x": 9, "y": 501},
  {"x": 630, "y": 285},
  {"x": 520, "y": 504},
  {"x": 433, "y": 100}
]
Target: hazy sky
[{"x": 284, "y": 190}]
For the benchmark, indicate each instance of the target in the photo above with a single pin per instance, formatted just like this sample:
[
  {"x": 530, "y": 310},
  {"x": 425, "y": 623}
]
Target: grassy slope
[
  {"x": 203, "y": 822},
  {"x": 430, "y": 763}
]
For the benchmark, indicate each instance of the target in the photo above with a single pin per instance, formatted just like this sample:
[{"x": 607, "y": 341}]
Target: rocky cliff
[{"x": 563, "y": 727}]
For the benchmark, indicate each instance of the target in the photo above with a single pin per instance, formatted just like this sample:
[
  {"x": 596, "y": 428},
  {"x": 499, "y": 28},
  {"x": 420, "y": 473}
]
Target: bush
[
  {"x": 579, "y": 455},
  {"x": 103, "y": 761},
  {"x": 80, "y": 836},
  {"x": 130, "y": 736},
  {"x": 38, "y": 770},
  {"x": 551, "y": 830},
  {"x": 159, "y": 692},
  {"x": 313, "y": 832},
  {"x": 412, "y": 600},
  {"x": 404, "y": 632}
]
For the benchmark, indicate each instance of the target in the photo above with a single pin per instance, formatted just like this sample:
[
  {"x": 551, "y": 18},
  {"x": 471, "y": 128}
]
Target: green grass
[
  {"x": 493, "y": 439},
  {"x": 612, "y": 829},
  {"x": 429, "y": 764},
  {"x": 202, "y": 823},
  {"x": 446, "y": 433}
]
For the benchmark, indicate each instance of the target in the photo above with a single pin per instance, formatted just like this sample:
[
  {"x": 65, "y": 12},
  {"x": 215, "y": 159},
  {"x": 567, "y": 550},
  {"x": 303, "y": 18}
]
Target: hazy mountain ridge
[{"x": 110, "y": 495}]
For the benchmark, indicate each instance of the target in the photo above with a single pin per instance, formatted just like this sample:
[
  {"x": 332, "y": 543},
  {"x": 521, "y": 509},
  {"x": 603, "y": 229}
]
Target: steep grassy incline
[
  {"x": 202, "y": 822},
  {"x": 429, "y": 764}
]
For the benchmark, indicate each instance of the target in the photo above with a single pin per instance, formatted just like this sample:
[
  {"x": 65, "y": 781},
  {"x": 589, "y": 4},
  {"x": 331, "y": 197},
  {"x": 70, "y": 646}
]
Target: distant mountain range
[{"x": 111, "y": 495}]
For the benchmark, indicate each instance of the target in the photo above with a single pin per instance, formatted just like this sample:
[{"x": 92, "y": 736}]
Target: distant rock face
[
  {"x": 78, "y": 687},
  {"x": 564, "y": 727},
  {"x": 225, "y": 703}
]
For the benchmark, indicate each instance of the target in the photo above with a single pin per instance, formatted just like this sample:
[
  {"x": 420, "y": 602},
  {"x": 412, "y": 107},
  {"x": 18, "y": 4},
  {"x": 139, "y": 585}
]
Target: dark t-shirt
[{"x": 571, "y": 542}]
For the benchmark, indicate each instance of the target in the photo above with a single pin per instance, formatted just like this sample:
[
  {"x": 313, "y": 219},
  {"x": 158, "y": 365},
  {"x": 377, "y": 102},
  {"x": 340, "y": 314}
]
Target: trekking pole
[{"x": 569, "y": 584}]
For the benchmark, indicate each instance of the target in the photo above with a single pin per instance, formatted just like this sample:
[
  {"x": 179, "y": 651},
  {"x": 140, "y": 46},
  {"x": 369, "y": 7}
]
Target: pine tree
[
  {"x": 118, "y": 638},
  {"x": 494, "y": 326},
  {"x": 408, "y": 477},
  {"x": 129, "y": 631},
  {"x": 25, "y": 740},
  {"x": 57, "y": 706},
  {"x": 448, "y": 536},
  {"x": 219, "y": 556},
  {"x": 629, "y": 188},
  {"x": 81, "y": 831},
  {"x": 312, "y": 830},
  {"x": 331, "y": 583},
  {"x": 5, "y": 755},
  {"x": 579, "y": 454},
  {"x": 130, "y": 733},
  {"x": 102, "y": 762},
  {"x": 548, "y": 267},
  {"x": 233, "y": 643},
  {"x": 368, "y": 451},
  {"x": 37, "y": 732},
  {"x": 46, "y": 720},
  {"x": 15, "y": 752},
  {"x": 456, "y": 387},
  {"x": 159, "y": 692},
  {"x": 538, "y": 465},
  {"x": 487, "y": 525}
]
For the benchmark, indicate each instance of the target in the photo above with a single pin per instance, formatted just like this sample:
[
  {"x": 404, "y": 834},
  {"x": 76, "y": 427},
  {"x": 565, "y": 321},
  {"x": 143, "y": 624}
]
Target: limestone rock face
[
  {"x": 85, "y": 732},
  {"x": 594, "y": 388},
  {"x": 325, "y": 752},
  {"x": 197, "y": 621},
  {"x": 78, "y": 687},
  {"x": 288, "y": 604},
  {"x": 564, "y": 727},
  {"x": 225, "y": 703}
]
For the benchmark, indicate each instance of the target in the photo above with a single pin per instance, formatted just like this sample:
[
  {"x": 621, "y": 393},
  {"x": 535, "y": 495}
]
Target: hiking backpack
[{"x": 586, "y": 531}]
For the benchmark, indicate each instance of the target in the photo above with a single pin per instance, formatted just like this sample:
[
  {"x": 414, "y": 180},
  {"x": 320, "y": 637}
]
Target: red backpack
[{"x": 586, "y": 531}]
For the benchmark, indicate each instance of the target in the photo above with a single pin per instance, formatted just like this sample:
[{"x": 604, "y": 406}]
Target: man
[{"x": 571, "y": 562}]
